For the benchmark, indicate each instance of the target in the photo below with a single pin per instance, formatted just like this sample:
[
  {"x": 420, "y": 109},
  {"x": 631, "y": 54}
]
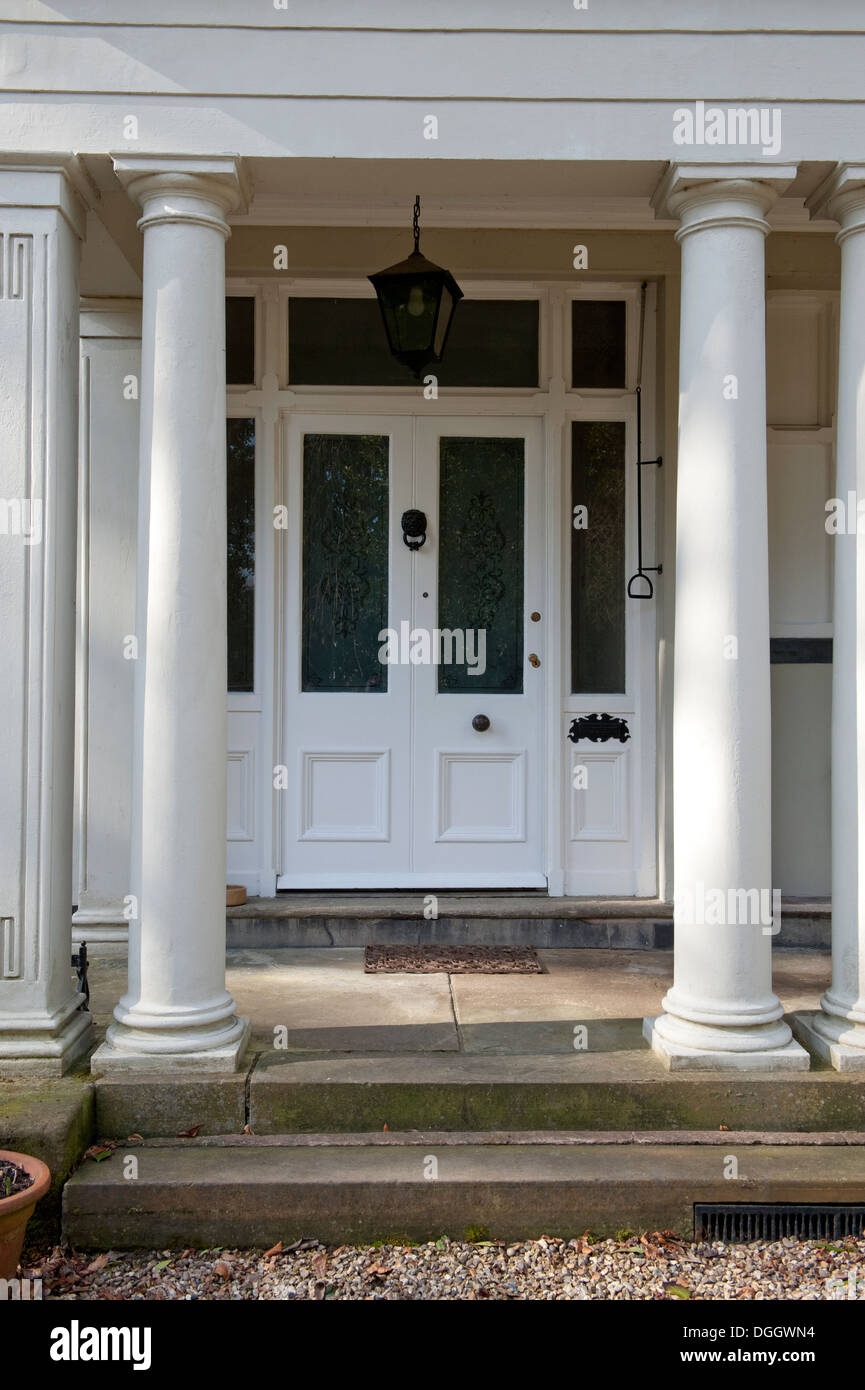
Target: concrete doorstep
[{"x": 417, "y": 1188}]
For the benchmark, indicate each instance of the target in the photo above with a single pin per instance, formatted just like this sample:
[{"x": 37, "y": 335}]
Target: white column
[
  {"x": 837, "y": 1033},
  {"x": 177, "y": 1012},
  {"x": 721, "y": 1011},
  {"x": 42, "y": 1026}
]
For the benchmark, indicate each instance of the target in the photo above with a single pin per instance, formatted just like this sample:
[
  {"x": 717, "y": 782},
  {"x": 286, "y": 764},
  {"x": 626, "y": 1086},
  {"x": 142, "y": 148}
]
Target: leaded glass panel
[
  {"x": 345, "y": 561},
  {"x": 598, "y": 557},
  {"x": 240, "y": 479},
  {"x": 480, "y": 587}
]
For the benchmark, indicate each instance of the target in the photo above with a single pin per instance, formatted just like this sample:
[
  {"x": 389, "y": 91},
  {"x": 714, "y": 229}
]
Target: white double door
[{"x": 414, "y": 674}]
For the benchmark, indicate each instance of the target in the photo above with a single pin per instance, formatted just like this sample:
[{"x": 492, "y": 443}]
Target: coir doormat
[{"x": 452, "y": 960}]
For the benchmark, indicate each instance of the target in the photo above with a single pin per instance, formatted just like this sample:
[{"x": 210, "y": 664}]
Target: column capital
[
  {"x": 203, "y": 189},
  {"x": 732, "y": 195},
  {"x": 841, "y": 196}
]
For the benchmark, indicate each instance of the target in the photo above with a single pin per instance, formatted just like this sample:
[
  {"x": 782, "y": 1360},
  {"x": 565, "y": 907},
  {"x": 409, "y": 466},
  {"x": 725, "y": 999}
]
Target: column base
[
  {"x": 95, "y": 925},
  {"x": 681, "y": 1057},
  {"x": 225, "y": 1057},
  {"x": 35, "y": 1053},
  {"x": 831, "y": 1039}
]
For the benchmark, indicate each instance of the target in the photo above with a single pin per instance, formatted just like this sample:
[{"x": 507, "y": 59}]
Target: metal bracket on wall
[{"x": 643, "y": 571}]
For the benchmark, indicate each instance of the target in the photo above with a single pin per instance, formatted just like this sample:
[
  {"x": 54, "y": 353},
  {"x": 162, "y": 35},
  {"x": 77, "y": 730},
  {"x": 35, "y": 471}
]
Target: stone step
[
  {"x": 417, "y": 1187},
  {"x": 626, "y": 1090},
  {"x": 492, "y": 919}
]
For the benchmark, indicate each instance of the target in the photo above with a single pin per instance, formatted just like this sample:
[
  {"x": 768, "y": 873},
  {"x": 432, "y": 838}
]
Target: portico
[{"x": 176, "y": 1012}]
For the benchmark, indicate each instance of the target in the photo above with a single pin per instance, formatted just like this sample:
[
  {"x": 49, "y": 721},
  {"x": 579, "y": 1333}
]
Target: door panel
[
  {"x": 478, "y": 793},
  {"x": 347, "y": 716},
  {"x": 394, "y": 787}
]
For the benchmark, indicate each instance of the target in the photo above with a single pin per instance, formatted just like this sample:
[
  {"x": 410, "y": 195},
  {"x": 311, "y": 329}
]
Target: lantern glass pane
[
  {"x": 444, "y": 318},
  {"x": 414, "y": 303}
]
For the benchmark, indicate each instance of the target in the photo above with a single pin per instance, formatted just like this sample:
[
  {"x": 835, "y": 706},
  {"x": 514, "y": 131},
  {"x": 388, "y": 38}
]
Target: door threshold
[{"x": 411, "y": 883}]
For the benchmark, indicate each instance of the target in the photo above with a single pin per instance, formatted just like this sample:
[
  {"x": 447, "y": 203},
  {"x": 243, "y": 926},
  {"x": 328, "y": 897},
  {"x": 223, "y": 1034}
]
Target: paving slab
[
  {"x": 584, "y": 1001},
  {"x": 591, "y": 1000},
  {"x": 323, "y": 1001},
  {"x": 255, "y": 1196}
]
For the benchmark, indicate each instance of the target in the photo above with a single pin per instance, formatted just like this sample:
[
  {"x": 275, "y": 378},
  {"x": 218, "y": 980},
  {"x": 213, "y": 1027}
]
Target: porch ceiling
[{"x": 454, "y": 193}]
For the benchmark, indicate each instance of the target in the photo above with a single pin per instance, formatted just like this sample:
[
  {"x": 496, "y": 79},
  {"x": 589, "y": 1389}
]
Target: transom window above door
[{"x": 342, "y": 342}]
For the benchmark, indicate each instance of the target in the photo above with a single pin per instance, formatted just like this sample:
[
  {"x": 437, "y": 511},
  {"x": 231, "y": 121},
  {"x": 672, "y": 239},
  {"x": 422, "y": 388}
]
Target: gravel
[{"x": 656, "y": 1266}]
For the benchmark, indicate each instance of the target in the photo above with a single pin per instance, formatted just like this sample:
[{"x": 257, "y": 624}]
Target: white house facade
[{"x": 580, "y": 611}]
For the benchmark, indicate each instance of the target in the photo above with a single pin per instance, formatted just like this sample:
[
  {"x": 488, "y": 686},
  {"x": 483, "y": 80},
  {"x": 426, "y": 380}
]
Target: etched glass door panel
[
  {"x": 481, "y": 560},
  {"x": 240, "y": 461},
  {"x": 345, "y": 561},
  {"x": 598, "y": 557}
]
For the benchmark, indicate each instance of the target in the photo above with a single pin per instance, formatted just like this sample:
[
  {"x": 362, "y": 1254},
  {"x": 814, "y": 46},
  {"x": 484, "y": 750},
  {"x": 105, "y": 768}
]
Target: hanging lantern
[{"x": 417, "y": 301}]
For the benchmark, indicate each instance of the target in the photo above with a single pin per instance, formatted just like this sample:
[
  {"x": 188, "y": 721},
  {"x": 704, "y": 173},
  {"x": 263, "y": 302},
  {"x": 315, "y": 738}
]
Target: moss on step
[{"x": 52, "y": 1120}]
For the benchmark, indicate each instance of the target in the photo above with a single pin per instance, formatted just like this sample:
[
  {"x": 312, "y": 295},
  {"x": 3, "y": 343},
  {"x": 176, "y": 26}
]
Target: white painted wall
[{"x": 801, "y": 385}]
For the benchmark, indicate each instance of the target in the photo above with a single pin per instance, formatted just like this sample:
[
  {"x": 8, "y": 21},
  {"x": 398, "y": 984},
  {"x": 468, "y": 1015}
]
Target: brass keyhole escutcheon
[
  {"x": 536, "y": 617},
  {"x": 534, "y": 659}
]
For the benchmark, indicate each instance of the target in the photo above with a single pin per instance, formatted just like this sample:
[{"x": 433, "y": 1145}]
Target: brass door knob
[{"x": 534, "y": 659}]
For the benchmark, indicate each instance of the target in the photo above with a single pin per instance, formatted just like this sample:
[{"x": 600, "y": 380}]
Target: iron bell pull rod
[{"x": 643, "y": 571}]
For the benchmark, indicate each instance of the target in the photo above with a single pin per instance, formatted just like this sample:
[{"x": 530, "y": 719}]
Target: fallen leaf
[
  {"x": 385, "y": 1128},
  {"x": 99, "y": 1263},
  {"x": 274, "y": 1250},
  {"x": 339, "y": 1249},
  {"x": 319, "y": 1264},
  {"x": 99, "y": 1151},
  {"x": 247, "y": 1130},
  {"x": 163, "y": 1264},
  {"x": 134, "y": 1139},
  {"x": 378, "y": 1271},
  {"x": 114, "y": 1297},
  {"x": 189, "y": 1133},
  {"x": 222, "y": 1269},
  {"x": 677, "y": 1291},
  {"x": 725, "y": 1128}
]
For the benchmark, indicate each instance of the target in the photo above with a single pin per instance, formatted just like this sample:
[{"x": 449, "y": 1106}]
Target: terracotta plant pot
[
  {"x": 235, "y": 895},
  {"x": 15, "y": 1211}
]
